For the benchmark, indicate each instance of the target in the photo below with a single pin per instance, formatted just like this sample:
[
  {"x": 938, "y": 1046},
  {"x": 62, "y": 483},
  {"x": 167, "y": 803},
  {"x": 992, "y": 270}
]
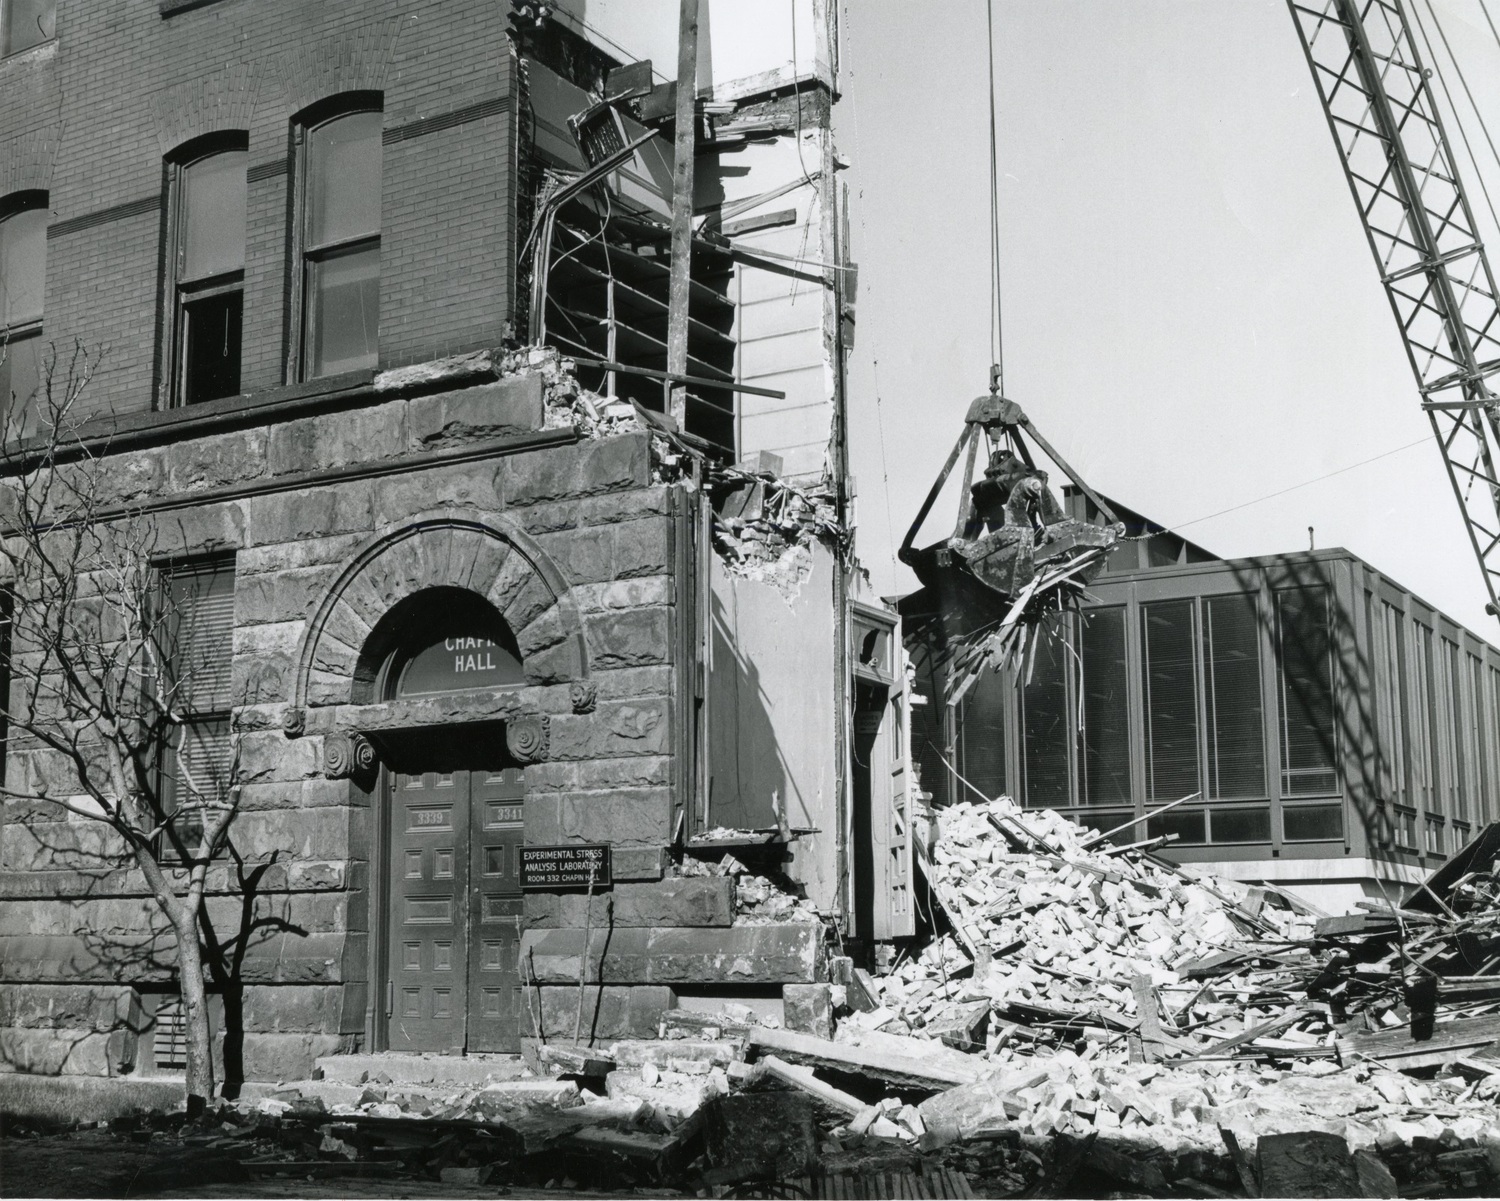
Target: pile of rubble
[{"x": 764, "y": 525}]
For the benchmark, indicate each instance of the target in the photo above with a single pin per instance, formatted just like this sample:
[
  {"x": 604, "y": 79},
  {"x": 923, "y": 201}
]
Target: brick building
[{"x": 459, "y": 605}]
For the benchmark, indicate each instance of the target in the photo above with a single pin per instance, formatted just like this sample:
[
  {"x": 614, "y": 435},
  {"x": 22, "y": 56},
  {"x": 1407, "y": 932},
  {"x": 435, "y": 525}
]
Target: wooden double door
[{"x": 454, "y": 925}]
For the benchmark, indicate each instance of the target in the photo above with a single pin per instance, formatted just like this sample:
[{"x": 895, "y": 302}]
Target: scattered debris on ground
[{"x": 1092, "y": 1022}]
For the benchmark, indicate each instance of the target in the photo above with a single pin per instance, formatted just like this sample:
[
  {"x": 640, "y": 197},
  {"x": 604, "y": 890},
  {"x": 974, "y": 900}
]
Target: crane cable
[
  {"x": 1437, "y": 70},
  {"x": 997, "y": 328}
]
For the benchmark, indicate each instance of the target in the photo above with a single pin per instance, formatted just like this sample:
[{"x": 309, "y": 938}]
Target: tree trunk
[{"x": 200, "y": 1063}]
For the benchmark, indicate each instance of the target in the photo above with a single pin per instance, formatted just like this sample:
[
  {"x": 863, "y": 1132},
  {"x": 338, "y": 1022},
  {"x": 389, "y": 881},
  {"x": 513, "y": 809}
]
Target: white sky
[{"x": 1192, "y": 314}]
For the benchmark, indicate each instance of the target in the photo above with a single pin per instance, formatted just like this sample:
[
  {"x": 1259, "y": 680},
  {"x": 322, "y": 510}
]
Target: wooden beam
[{"x": 682, "y": 203}]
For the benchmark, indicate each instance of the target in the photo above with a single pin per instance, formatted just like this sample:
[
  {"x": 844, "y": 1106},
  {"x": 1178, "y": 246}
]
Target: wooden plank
[
  {"x": 803, "y": 1078},
  {"x": 1274, "y": 1026},
  {"x": 895, "y": 1069},
  {"x": 1148, "y": 1013}
]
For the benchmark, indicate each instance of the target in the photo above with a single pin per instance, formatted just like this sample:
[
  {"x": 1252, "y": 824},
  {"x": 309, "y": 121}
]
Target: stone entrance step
[{"x": 442, "y": 1071}]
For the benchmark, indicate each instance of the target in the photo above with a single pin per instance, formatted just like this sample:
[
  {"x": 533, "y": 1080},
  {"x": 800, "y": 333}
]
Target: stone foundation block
[
  {"x": 512, "y": 406},
  {"x": 584, "y": 469},
  {"x": 639, "y": 816},
  {"x": 629, "y": 637},
  {"x": 68, "y": 1006},
  {"x": 696, "y": 901},
  {"x": 639, "y": 863},
  {"x": 290, "y": 1056},
  {"x": 781, "y": 954},
  {"x": 611, "y": 1012},
  {"x": 303, "y": 1009},
  {"x": 808, "y": 1009},
  {"x": 67, "y": 1051}
]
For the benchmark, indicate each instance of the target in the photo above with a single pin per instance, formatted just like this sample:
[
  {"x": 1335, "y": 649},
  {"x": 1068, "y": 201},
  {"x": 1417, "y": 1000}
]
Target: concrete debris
[
  {"x": 764, "y": 526},
  {"x": 566, "y": 403},
  {"x": 759, "y": 900}
]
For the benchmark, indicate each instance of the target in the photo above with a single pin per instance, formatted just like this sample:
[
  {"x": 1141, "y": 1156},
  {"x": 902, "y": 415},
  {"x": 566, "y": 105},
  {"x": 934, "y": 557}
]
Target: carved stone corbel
[
  {"x": 346, "y": 756},
  {"x": 526, "y": 737},
  {"x": 294, "y": 722},
  {"x": 584, "y": 694}
]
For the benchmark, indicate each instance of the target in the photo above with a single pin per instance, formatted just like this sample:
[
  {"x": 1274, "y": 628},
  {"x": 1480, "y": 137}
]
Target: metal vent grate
[{"x": 170, "y": 1046}]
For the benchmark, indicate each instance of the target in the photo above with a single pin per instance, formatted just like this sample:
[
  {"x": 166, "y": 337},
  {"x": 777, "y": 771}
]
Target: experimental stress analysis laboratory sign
[{"x": 573, "y": 866}]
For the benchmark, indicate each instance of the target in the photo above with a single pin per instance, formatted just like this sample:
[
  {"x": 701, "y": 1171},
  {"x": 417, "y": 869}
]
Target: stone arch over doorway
[{"x": 345, "y": 643}]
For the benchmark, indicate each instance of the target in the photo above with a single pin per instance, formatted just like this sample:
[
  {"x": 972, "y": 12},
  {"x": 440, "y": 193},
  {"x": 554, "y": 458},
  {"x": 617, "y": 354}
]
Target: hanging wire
[
  {"x": 1452, "y": 107},
  {"x": 1495, "y": 32},
  {"x": 997, "y": 327}
]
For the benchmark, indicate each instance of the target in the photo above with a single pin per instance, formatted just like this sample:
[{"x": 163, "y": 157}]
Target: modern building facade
[
  {"x": 460, "y": 600},
  {"x": 1342, "y": 735}
]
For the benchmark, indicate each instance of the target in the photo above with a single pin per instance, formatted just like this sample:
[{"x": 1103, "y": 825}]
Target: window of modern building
[
  {"x": 210, "y": 274},
  {"x": 198, "y": 633},
  {"x": 340, "y": 243},
  {"x": 1445, "y": 712},
  {"x": 26, "y": 23},
  {"x": 23, "y": 278},
  {"x": 1304, "y": 670},
  {"x": 980, "y": 718},
  {"x": 1419, "y": 728},
  {"x": 1171, "y": 700},
  {"x": 1046, "y": 732},
  {"x": 1235, "y": 718},
  {"x": 1104, "y": 728},
  {"x": 1390, "y": 701}
]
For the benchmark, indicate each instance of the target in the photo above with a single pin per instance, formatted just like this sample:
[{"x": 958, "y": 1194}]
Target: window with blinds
[
  {"x": 981, "y": 734},
  {"x": 1476, "y": 777},
  {"x": 1171, "y": 700},
  {"x": 1234, "y": 720},
  {"x": 1304, "y": 669},
  {"x": 1419, "y": 728},
  {"x": 1390, "y": 706},
  {"x": 1445, "y": 713},
  {"x": 1104, "y": 728},
  {"x": 1046, "y": 736},
  {"x": 198, "y": 599}
]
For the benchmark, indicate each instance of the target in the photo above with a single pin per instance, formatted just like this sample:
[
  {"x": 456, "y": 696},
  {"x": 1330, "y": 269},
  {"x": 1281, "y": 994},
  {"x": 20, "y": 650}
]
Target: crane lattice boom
[{"x": 1389, "y": 134}]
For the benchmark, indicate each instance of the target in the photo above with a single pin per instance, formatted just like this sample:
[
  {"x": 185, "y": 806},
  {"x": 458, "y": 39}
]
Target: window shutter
[
  {"x": 1171, "y": 700},
  {"x": 201, "y": 629},
  {"x": 1104, "y": 738},
  {"x": 1236, "y": 716}
]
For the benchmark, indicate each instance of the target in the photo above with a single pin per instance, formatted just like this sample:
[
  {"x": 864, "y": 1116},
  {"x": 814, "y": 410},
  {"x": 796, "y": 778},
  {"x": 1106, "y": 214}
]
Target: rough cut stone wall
[{"x": 594, "y": 538}]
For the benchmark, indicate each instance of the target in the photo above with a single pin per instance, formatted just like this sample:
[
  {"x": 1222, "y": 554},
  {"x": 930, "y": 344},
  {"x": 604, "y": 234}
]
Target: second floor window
[
  {"x": 210, "y": 268},
  {"x": 26, "y": 23},
  {"x": 23, "y": 277},
  {"x": 340, "y": 244}
]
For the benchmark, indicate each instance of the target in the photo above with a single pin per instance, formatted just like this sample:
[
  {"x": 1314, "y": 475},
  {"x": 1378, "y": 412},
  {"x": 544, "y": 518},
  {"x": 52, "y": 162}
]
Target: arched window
[
  {"x": 23, "y": 277},
  {"x": 209, "y": 265},
  {"x": 26, "y": 23},
  {"x": 338, "y": 242}
]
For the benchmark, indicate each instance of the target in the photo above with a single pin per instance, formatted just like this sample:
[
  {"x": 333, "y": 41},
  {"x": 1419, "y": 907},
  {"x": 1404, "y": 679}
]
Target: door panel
[
  {"x": 429, "y": 918},
  {"x": 495, "y": 909}
]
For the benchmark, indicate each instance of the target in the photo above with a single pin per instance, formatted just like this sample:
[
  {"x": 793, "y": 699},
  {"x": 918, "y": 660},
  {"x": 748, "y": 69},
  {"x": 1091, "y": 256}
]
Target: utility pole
[{"x": 682, "y": 205}]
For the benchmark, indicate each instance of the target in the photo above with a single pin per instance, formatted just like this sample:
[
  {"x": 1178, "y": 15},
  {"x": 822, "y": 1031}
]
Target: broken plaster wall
[{"x": 773, "y": 710}]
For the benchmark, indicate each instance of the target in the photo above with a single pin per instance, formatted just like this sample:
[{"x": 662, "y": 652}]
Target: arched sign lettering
[{"x": 472, "y": 653}]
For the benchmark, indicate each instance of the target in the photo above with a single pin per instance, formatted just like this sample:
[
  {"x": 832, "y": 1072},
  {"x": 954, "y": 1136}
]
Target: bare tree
[{"x": 103, "y": 664}]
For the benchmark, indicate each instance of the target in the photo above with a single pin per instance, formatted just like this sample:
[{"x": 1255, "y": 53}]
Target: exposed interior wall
[
  {"x": 749, "y": 43},
  {"x": 773, "y": 712}
]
